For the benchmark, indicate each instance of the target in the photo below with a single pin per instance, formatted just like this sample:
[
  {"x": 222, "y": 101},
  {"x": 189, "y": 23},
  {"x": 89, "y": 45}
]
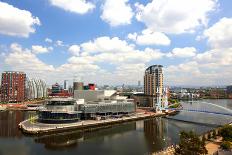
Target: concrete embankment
[{"x": 33, "y": 127}]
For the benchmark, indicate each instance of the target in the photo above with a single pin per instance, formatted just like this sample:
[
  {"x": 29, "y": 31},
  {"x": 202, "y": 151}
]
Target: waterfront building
[
  {"x": 107, "y": 108},
  {"x": 58, "y": 91},
  {"x": 36, "y": 89},
  {"x": 95, "y": 103},
  {"x": 59, "y": 110},
  {"x": 13, "y": 86},
  {"x": 153, "y": 80},
  {"x": 155, "y": 94}
]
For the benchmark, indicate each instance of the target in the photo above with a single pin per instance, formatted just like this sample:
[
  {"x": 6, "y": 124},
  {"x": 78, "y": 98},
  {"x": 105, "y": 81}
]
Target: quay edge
[{"x": 35, "y": 128}]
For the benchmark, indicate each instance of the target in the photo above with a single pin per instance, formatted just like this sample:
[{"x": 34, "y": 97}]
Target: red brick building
[{"x": 13, "y": 86}]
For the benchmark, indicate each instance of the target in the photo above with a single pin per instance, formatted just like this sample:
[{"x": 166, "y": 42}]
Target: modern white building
[
  {"x": 94, "y": 95},
  {"x": 35, "y": 89}
]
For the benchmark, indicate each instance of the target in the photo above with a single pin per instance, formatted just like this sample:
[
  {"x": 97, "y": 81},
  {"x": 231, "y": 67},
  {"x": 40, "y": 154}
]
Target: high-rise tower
[{"x": 153, "y": 80}]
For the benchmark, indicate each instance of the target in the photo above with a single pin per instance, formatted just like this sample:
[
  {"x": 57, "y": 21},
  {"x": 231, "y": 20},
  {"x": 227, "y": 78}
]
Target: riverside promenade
[{"x": 32, "y": 126}]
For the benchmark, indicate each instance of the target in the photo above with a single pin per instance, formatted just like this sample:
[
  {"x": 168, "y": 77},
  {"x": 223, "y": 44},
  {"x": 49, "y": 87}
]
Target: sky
[{"x": 113, "y": 41}]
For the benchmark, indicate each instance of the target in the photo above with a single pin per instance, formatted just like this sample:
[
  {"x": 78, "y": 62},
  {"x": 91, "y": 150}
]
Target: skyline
[{"x": 57, "y": 40}]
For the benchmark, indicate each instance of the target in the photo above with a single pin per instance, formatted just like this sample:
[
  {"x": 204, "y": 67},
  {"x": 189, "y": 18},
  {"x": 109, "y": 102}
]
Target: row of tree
[{"x": 191, "y": 144}]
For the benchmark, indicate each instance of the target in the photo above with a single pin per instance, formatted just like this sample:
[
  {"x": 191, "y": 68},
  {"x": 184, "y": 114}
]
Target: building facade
[
  {"x": 155, "y": 94},
  {"x": 58, "y": 91},
  {"x": 36, "y": 89},
  {"x": 59, "y": 110},
  {"x": 229, "y": 89},
  {"x": 153, "y": 80},
  {"x": 78, "y": 86},
  {"x": 13, "y": 86}
]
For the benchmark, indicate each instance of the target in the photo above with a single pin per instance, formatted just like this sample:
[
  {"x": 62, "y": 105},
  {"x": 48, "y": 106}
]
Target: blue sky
[{"x": 113, "y": 41}]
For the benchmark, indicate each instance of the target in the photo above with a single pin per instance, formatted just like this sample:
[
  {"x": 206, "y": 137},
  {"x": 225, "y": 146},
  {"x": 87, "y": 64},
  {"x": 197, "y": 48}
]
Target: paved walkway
[
  {"x": 34, "y": 127},
  {"x": 213, "y": 146}
]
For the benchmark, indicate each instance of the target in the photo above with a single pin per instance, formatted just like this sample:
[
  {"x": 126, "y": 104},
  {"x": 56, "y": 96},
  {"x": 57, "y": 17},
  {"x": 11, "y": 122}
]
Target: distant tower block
[
  {"x": 65, "y": 84},
  {"x": 139, "y": 83},
  {"x": 78, "y": 85}
]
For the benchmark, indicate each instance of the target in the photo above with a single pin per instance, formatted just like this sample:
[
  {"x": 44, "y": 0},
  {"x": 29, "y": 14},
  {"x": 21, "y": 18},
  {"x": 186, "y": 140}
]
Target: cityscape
[{"x": 116, "y": 77}]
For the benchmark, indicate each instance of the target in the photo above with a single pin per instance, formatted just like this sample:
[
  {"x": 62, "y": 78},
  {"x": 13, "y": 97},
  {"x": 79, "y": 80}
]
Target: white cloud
[
  {"x": 117, "y": 12},
  {"x": 16, "y": 22},
  {"x": 37, "y": 49},
  {"x": 59, "y": 43},
  {"x": 220, "y": 34},
  {"x": 25, "y": 60},
  {"x": 74, "y": 50},
  {"x": 175, "y": 16},
  {"x": 106, "y": 44},
  {"x": 211, "y": 67},
  {"x": 183, "y": 52},
  {"x": 48, "y": 40},
  {"x": 132, "y": 36},
  {"x": 216, "y": 57},
  {"x": 75, "y": 6},
  {"x": 150, "y": 38},
  {"x": 116, "y": 51}
]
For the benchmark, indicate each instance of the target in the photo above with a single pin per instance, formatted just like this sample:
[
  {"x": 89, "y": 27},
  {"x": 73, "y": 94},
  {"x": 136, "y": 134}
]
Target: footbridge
[
  {"x": 203, "y": 107},
  {"x": 226, "y": 111}
]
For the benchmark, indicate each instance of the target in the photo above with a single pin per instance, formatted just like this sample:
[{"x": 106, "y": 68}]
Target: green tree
[
  {"x": 203, "y": 138},
  {"x": 226, "y": 133},
  {"x": 190, "y": 144},
  {"x": 209, "y": 135},
  {"x": 214, "y": 134},
  {"x": 225, "y": 145}
]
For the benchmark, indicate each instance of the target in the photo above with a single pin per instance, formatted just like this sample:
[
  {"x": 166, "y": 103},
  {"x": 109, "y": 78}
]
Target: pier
[{"x": 32, "y": 126}]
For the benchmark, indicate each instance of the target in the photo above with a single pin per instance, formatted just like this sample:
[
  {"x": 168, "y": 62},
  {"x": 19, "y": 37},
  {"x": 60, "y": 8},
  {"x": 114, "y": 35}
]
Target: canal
[{"x": 133, "y": 138}]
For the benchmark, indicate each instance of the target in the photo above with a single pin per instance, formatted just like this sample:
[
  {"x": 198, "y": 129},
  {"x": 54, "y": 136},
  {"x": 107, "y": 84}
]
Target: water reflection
[
  {"x": 156, "y": 133},
  {"x": 9, "y": 121},
  {"x": 70, "y": 139},
  {"x": 60, "y": 141}
]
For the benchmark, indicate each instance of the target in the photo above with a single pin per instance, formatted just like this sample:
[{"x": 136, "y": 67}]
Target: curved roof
[{"x": 150, "y": 68}]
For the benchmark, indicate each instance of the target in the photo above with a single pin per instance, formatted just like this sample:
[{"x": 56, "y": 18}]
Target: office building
[
  {"x": 153, "y": 80},
  {"x": 13, "y": 86},
  {"x": 139, "y": 83},
  {"x": 155, "y": 95}
]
